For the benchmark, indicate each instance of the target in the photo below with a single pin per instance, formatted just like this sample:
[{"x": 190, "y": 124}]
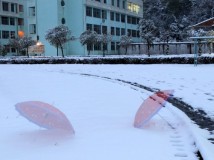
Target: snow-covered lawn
[{"x": 102, "y": 112}]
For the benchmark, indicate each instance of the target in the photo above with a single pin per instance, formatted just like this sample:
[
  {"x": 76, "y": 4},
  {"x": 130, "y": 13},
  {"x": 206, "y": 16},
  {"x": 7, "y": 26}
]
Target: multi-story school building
[{"x": 34, "y": 17}]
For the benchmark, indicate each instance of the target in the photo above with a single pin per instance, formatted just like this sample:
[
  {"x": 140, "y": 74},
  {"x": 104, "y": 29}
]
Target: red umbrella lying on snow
[
  {"x": 150, "y": 107},
  {"x": 44, "y": 115}
]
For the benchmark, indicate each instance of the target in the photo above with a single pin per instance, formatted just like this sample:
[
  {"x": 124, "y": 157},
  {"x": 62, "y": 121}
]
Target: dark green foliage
[
  {"x": 175, "y": 16},
  {"x": 163, "y": 60}
]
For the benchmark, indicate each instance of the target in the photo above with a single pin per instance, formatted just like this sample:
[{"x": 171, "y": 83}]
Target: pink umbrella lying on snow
[
  {"x": 150, "y": 107},
  {"x": 44, "y": 115}
]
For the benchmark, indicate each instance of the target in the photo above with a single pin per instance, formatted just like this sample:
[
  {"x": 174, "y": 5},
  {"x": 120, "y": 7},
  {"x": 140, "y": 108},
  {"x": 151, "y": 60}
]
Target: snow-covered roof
[{"x": 207, "y": 23}]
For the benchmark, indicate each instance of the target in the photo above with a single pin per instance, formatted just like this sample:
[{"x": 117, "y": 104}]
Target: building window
[
  {"x": 105, "y": 47},
  {"x": 5, "y": 20},
  {"x": 13, "y": 50},
  {"x": 129, "y": 32},
  {"x": 104, "y": 14},
  {"x": 134, "y": 33},
  {"x": 112, "y": 16},
  {"x": 97, "y": 0},
  {"x": 12, "y": 6},
  {"x": 129, "y": 19},
  {"x": 124, "y": 5},
  {"x": 112, "y": 31},
  {"x": 12, "y": 21},
  {"x": 113, "y": 46},
  {"x": 62, "y": 3},
  {"x": 5, "y": 6},
  {"x": 97, "y": 28},
  {"x": 21, "y": 8},
  {"x": 117, "y": 31},
  {"x": 123, "y": 18},
  {"x": 133, "y": 7},
  {"x": 117, "y": 45},
  {"x": 12, "y": 34},
  {"x": 20, "y": 21},
  {"x": 32, "y": 28},
  {"x": 89, "y": 47},
  {"x": 89, "y": 27},
  {"x": 123, "y": 31},
  {"x": 32, "y": 11},
  {"x": 112, "y": 2},
  {"x": 137, "y": 19},
  {"x": 118, "y": 3},
  {"x": 104, "y": 1},
  {"x": 104, "y": 29},
  {"x": 63, "y": 21},
  {"x": 97, "y": 47},
  {"x": 96, "y": 13},
  {"x": 134, "y": 20},
  {"x": 117, "y": 17},
  {"x": 89, "y": 11},
  {"x": 5, "y": 34}
]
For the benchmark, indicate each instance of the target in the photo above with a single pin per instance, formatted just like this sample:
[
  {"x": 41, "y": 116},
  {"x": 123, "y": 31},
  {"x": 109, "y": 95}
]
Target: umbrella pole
[{"x": 171, "y": 126}]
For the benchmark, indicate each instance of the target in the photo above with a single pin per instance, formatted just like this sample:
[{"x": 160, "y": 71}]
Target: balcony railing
[{"x": 12, "y": 14}]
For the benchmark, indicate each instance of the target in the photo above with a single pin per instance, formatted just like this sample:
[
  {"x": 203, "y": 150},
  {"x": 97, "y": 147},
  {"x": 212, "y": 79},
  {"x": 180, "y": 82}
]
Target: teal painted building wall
[{"x": 81, "y": 15}]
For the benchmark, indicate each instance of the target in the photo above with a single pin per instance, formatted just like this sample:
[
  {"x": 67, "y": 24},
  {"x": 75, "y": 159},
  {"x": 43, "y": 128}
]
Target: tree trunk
[
  {"x": 27, "y": 53},
  {"x": 103, "y": 51},
  {"x": 57, "y": 48},
  {"x": 148, "y": 46},
  {"x": 62, "y": 51},
  {"x": 167, "y": 48}
]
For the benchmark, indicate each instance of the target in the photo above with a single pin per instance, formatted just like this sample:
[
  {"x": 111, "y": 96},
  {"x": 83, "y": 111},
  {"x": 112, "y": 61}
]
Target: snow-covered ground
[{"x": 102, "y": 112}]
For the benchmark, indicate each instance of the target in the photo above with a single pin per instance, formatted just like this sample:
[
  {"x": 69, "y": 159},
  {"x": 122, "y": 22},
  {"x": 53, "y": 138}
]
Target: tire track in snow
[
  {"x": 198, "y": 116},
  {"x": 177, "y": 138}
]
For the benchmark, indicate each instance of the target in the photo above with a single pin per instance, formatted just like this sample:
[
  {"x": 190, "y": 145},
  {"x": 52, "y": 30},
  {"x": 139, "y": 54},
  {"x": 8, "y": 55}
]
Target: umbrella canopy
[
  {"x": 44, "y": 115},
  {"x": 150, "y": 107}
]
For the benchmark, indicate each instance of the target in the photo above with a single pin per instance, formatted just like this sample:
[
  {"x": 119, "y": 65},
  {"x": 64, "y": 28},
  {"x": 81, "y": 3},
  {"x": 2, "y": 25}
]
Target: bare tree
[
  {"x": 125, "y": 42},
  {"x": 88, "y": 38},
  {"x": 15, "y": 43},
  {"x": 58, "y": 36},
  {"x": 3, "y": 50},
  {"x": 25, "y": 43},
  {"x": 104, "y": 39},
  {"x": 21, "y": 44}
]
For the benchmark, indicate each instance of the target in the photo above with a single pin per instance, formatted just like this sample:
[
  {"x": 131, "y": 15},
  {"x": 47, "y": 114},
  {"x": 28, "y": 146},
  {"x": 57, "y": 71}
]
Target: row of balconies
[{"x": 11, "y": 8}]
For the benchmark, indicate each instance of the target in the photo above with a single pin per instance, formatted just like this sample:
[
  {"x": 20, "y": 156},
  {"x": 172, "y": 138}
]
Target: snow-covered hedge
[{"x": 109, "y": 60}]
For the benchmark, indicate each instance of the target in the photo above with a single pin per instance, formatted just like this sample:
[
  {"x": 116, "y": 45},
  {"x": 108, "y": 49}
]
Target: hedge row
[{"x": 126, "y": 60}]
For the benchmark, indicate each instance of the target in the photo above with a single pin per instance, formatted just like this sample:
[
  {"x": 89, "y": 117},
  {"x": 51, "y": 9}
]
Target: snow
[{"x": 102, "y": 112}]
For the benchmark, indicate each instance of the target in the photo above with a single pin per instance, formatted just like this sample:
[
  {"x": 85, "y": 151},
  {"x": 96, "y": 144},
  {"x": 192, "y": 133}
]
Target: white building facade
[
  {"x": 116, "y": 17},
  {"x": 12, "y": 20}
]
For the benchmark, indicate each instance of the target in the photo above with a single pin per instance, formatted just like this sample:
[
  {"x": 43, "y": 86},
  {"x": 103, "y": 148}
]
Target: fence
[{"x": 174, "y": 48}]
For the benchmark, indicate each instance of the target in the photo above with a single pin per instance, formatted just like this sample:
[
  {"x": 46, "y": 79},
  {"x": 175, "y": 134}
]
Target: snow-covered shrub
[{"x": 197, "y": 33}]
